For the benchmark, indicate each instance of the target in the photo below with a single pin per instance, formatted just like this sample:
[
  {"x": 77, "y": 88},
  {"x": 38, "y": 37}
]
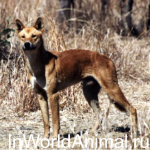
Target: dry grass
[{"x": 131, "y": 57}]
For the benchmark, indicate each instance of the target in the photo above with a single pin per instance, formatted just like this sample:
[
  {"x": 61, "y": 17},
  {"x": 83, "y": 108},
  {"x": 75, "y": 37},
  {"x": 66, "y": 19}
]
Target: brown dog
[{"x": 50, "y": 72}]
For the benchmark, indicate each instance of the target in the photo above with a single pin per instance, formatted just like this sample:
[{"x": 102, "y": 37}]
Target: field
[{"x": 19, "y": 110}]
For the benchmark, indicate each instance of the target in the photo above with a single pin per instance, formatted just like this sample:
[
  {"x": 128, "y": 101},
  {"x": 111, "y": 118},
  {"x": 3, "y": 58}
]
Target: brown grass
[{"x": 129, "y": 54}]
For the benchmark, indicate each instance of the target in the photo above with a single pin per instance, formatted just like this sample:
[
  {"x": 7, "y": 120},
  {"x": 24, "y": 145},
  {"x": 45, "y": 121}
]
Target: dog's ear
[
  {"x": 19, "y": 25},
  {"x": 39, "y": 24}
]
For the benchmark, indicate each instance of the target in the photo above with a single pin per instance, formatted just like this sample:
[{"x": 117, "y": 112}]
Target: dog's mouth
[
  {"x": 28, "y": 46},
  {"x": 29, "y": 49}
]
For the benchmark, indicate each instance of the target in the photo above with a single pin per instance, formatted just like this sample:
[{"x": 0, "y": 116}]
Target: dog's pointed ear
[
  {"x": 39, "y": 24},
  {"x": 19, "y": 25}
]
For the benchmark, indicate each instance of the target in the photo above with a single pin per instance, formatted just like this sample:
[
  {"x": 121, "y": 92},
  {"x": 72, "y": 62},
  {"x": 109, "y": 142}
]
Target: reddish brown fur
[{"x": 50, "y": 72}]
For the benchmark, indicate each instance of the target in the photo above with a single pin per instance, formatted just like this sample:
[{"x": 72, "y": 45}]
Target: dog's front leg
[
  {"x": 45, "y": 114},
  {"x": 54, "y": 105},
  {"x": 43, "y": 102}
]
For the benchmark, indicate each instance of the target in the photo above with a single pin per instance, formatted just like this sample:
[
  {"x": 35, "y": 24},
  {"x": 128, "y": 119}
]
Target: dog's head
[{"x": 30, "y": 36}]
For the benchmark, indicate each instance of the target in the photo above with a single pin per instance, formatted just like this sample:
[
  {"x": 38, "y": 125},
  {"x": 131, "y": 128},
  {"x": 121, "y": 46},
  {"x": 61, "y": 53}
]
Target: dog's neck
[{"x": 35, "y": 61}]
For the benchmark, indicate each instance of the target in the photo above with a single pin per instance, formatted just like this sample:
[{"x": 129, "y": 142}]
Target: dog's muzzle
[{"x": 28, "y": 46}]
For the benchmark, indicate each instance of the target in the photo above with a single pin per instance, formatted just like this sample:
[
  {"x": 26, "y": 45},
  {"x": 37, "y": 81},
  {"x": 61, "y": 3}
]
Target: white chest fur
[
  {"x": 33, "y": 81},
  {"x": 41, "y": 82}
]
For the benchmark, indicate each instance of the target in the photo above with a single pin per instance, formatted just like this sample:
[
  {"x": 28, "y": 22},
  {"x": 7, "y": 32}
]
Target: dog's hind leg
[
  {"x": 107, "y": 78},
  {"x": 90, "y": 90}
]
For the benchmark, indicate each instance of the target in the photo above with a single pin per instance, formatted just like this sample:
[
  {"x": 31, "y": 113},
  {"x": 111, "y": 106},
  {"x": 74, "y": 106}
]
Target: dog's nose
[{"x": 27, "y": 45}]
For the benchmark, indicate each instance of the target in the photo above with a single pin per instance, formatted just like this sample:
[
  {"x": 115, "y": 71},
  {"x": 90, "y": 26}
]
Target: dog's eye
[
  {"x": 23, "y": 36},
  {"x": 33, "y": 36}
]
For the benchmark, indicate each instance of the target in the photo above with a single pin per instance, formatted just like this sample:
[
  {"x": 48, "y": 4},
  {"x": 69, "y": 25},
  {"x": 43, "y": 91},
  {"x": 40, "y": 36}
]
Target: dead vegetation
[{"x": 131, "y": 57}]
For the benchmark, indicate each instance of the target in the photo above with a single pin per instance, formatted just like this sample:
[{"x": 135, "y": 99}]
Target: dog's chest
[
  {"x": 38, "y": 74},
  {"x": 40, "y": 81}
]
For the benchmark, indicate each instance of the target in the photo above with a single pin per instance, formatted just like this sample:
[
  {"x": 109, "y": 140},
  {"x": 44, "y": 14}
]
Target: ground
[{"x": 73, "y": 122}]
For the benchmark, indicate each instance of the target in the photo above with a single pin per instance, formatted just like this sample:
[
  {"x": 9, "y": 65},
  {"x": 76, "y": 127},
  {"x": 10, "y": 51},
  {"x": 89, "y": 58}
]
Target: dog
[{"x": 50, "y": 71}]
